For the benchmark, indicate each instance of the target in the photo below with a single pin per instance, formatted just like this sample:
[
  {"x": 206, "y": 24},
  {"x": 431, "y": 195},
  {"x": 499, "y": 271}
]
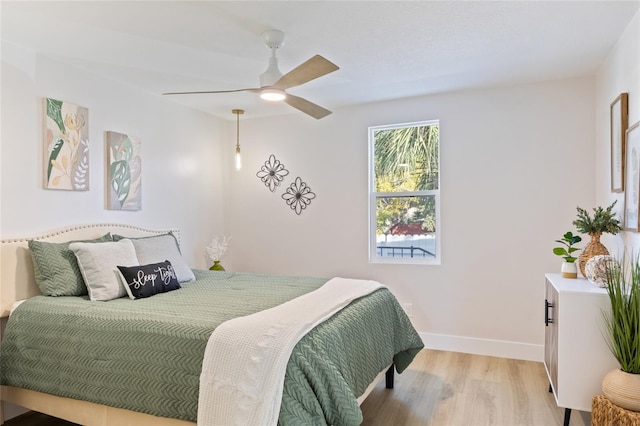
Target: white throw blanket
[{"x": 246, "y": 358}]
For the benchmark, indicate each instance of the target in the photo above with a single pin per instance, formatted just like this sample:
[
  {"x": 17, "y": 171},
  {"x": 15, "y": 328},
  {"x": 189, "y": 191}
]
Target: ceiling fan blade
[
  {"x": 254, "y": 90},
  {"x": 307, "y": 71},
  {"x": 316, "y": 111}
]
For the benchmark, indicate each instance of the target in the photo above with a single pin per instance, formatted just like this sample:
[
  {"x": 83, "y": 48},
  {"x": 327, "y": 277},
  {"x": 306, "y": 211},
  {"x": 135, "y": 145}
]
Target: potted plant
[
  {"x": 603, "y": 221},
  {"x": 568, "y": 269},
  {"x": 216, "y": 250},
  {"x": 622, "y": 386}
]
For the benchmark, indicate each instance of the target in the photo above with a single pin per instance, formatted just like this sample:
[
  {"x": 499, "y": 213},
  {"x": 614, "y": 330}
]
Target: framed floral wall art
[
  {"x": 619, "y": 123},
  {"x": 124, "y": 172},
  {"x": 66, "y": 144},
  {"x": 632, "y": 172}
]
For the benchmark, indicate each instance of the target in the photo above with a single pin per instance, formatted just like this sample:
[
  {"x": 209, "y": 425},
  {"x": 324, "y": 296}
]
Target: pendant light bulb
[{"x": 237, "y": 112}]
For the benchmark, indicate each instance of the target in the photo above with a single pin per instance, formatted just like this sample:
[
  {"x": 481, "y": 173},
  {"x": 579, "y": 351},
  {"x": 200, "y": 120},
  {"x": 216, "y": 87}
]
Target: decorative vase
[
  {"x": 596, "y": 269},
  {"x": 216, "y": 266},
  {"x": 569, "y": 270},
  {"x": 622, "y": 389},
  {"x": 593, "y": 248}
]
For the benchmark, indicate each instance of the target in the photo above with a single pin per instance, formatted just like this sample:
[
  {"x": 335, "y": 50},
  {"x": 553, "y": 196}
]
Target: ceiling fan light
[{"x": 272, "y": 94}]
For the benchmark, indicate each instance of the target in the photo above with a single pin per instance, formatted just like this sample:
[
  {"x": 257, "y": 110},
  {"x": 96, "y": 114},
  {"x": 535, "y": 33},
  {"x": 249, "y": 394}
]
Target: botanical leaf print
[
  {"x": 53, "y": 155},
  {"x": 125, "y": 172},
  {"x": 67, "y": 144},
  {"x": 80, "y": 178},
  {"x": 120, "y": 179},
  {"x": 54, "y": 111},
  {"x": 126, "y": 150}
]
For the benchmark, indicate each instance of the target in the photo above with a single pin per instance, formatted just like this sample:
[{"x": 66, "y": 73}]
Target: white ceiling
[{"x": 385, "y": 49}]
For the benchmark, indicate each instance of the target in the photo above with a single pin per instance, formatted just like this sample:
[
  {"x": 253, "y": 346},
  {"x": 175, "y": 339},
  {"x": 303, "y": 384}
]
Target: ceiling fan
[{"x": 273, "y": 84}]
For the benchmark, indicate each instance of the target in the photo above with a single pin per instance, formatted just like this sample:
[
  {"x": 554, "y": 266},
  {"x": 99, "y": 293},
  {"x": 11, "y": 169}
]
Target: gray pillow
[
  {"x": 159, "y": 248},
  {"x": 56, "y": 269},
  {"x": 99, "y": 266}
]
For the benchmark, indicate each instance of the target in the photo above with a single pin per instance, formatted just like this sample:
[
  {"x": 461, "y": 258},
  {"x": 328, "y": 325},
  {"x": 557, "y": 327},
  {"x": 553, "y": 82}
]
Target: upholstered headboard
[{"x": 16, "y": 268}]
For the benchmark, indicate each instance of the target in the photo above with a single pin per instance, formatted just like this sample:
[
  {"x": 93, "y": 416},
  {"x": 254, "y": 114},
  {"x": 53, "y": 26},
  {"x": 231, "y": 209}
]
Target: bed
[{"x": 148, "y": 364}]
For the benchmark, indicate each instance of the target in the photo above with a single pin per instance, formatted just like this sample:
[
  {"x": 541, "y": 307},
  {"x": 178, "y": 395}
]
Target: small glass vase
[{"x": 216, "y": 266}]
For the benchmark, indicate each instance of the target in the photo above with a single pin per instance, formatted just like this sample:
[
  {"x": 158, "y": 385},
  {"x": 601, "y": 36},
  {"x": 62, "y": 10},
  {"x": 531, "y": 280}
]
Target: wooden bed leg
[{"x": 389, "y": 377}]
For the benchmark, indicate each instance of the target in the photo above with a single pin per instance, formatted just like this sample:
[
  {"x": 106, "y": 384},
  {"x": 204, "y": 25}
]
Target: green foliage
[
  {"x": 54, "y": 111},
  {"x": 623, "y": 323},
  {"x": 391, "y": 211},
  {"x": 568, "y": 240},
  {"x": 125, "y": 151},
  {"x": 120, "y": 170},
  {"x": 408, "y": 157},
  {"x": 120, "y": 180},
  {"x": 603, "y": 221},
  {"x": 406, "y": 160},
  {"x": 53, "y": 155}
]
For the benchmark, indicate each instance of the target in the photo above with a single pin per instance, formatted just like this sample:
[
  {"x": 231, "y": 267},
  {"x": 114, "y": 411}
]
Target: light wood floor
[
  {"x": 448, "y": 389},
  {"x": 454, "y": 389}
]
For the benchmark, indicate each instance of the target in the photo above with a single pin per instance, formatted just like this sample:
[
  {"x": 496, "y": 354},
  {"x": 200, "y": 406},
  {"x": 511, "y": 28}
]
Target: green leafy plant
[
  {"x": 603, "y": 221},
  {"x": 54, "y": 111},
  {"x": 568, "y": 240},
  {"x": 623, "y": 323}
]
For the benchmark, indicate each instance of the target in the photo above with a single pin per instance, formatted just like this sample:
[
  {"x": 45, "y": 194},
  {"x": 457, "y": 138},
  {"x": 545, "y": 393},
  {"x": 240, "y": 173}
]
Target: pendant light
[{"x": 237, "y": 112}]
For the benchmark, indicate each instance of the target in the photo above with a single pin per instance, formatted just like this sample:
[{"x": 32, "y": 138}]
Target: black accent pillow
[{"x": 147, "y": 280}]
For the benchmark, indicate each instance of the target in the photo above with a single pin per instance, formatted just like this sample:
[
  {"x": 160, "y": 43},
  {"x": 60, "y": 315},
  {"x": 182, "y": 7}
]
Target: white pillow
[
  {"x": 99, "y": 267},
  {"x": 161, "y": 248}
]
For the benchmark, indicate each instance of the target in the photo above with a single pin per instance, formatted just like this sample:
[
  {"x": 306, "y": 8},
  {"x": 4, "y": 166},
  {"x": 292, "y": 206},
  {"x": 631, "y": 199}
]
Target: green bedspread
[{"x": 146, "y": 355}]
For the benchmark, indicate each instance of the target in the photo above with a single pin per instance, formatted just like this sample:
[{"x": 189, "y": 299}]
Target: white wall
[
  {"x": 515, "y": 162},
  {"x": 182, "y": 177},
  {"x": 619, "y": 73}
]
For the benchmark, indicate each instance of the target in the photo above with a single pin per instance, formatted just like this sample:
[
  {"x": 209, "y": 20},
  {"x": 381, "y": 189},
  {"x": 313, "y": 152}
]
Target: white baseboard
[{"x": 472, "y": 345}]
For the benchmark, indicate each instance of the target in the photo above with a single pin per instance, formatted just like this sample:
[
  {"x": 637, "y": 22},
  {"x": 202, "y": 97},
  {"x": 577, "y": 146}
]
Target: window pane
[
  {"x": 406, "y": 159},
  {"x": 406, "y": 227}
]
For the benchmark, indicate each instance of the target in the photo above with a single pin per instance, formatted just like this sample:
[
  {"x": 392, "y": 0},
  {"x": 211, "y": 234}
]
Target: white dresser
[{"x": 576, "y": 355}]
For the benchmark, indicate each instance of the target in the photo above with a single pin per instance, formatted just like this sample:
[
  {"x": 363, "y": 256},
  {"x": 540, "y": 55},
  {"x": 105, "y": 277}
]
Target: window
[{"x": 404, "y": 193}]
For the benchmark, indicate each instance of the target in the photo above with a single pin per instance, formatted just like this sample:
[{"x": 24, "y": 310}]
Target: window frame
[{"x": 374, "y": 258}]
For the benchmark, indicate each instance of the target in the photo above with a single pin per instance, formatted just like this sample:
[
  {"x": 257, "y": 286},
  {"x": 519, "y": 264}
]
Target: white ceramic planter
[{"x": 569, "y": 270}]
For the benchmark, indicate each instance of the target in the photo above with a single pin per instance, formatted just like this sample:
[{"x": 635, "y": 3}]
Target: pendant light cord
[{"x": 237, "y": 112}]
